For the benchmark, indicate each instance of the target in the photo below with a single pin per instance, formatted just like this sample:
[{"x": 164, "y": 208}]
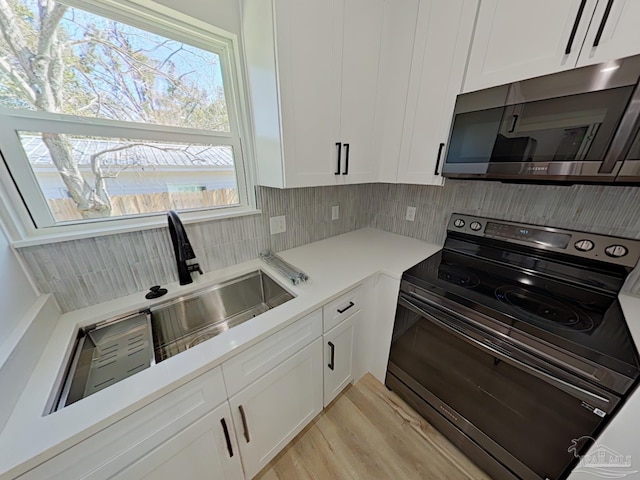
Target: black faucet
[{"x": 182, "y": 249}]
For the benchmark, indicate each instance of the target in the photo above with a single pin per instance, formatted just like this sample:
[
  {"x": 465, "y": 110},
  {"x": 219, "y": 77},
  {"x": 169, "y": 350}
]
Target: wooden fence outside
[{"x": 64, "y": 209}]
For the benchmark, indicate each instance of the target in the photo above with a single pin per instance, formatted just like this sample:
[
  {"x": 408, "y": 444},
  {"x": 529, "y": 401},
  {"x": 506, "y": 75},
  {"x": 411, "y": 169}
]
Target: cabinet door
[
  {"x": 614, "y": 32},
  {"x": 440, "y": 51},
  {"x": 518, "y": 39},
  {"x": 398, "y": 36},
  {"x": 338, "y": 358},
  {"x": 205, "y": 449},
  {"x": 362, "y": 37},
  {"x": 309, "y": 54},
  {"x": 271, "y": 411}
]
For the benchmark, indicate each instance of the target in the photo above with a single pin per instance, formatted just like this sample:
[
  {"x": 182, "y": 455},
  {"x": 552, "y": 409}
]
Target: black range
[{"x": 511, "y": 340}]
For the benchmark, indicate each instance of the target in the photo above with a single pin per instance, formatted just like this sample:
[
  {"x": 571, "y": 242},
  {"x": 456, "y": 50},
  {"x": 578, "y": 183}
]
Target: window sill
[{"x": 143, "y": 223}]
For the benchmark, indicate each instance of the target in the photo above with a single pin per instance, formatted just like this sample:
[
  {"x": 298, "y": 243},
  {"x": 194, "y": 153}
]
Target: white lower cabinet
[
  {"x": 182, "y": 424},
  {"x": 272, "y": 410},
  {"x": 229, "y": 422},
  {"x": 206, "y": 449},
  {"x": 338, "y": 358}
]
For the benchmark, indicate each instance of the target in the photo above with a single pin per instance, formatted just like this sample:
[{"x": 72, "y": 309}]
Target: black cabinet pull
[
  {"x": 435, "y": 172},
  {"x": 333, "y": 351},
  {"x": 227, "y": 437},
  {"x": 346, "y": 160},
  {"x": 575, "y": 27},
  {"x": 513, "y": 124},
  {"x": 339, "y": 145},
  {"x": 245, "y": 426},
  {"x": 605, "y": 17},
  {"x": 351, "y": 304}
]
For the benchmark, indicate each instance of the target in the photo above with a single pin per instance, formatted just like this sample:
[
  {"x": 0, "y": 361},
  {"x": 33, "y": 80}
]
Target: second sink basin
[{"x": 190, "y": 320}]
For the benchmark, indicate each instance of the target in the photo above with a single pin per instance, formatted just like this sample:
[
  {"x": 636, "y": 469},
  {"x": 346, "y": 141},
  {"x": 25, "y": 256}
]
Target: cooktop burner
[
  {"x": 534, "y": 295},
  {"x": 458, "y": 276},
  {"x": 554, "y": 312}
]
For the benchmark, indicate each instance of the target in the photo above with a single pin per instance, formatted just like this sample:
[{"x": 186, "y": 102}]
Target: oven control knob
[
  {"x": 475, "y": 226},
  {"x": 616, "y": 251},
  {"x": 584, "y": 245},
  {"x": 459, "y": 222}
]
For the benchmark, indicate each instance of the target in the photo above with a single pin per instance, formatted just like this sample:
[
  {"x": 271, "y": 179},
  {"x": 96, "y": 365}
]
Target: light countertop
[{"x": 334, "y": 266}]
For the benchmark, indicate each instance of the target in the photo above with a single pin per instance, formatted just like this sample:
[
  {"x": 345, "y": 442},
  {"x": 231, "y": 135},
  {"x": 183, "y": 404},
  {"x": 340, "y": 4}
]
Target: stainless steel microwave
[{"x": 582, "y": 125}]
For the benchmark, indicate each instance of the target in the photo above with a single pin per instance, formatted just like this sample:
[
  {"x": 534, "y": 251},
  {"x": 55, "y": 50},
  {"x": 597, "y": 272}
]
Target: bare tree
[{"x": 98, "y": 73}]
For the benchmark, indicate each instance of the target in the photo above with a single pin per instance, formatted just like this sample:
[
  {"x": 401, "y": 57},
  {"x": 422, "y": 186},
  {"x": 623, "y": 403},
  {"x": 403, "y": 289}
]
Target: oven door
[{"x": 525, "y": 413}]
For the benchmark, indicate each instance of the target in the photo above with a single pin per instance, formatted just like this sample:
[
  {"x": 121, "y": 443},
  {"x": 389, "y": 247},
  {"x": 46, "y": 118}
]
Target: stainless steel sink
[
  {"x": 193, "y": 319},
  {"x": 116, "y": 349}
]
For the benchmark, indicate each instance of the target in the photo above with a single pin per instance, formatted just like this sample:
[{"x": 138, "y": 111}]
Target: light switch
[
  {"x": 277, "y": 224},
  {"x": 335, "y": 212}
]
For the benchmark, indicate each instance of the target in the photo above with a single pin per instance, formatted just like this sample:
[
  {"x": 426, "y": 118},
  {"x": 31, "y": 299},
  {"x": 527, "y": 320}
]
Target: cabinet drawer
[
  {"x": 255, "y": 362},
  {"x": 343, "y": 307},
  {"x": 107, "y": 452}
]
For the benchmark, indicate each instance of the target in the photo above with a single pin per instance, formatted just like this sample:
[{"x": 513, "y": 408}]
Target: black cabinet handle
[
  {"x": 605, "y": 17},
  {"x": 513, "y": 124},
  {"x": 351, "y": 304},
  {"x": 245, "y": 426},
  {"x": 575, "y": 27},
  {"x": 435, "y": 172},
  {"x": 227, "y": 437},
  {"x": 339, "y": 145},
  {"x": 333, "y": 351},
  {"x": 346, "y": 160}
]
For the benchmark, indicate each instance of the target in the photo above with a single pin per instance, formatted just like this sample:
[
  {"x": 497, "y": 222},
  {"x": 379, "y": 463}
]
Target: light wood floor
[{"x": 367, "y": 433}]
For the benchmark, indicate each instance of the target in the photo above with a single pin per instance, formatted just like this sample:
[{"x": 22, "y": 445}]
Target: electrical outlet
[
  {"x": 335, "y": 212},
  {"x": 278, "y": 224},
  {"x": 411, "y": 214}
]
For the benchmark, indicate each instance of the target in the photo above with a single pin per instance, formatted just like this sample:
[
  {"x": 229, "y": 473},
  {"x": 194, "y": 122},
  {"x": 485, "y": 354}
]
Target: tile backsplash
[
  {"x": 610, "y": 210},
  {"x": 85, "y": 272}
]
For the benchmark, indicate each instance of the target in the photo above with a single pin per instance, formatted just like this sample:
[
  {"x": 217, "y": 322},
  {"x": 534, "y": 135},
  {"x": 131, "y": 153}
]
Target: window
[{"x": 114, "y": 115}]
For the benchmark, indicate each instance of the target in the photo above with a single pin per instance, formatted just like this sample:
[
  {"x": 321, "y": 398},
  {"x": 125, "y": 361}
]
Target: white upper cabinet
[
  {"x": 440, "y": 52},
  {"x": 518, "y": 39},
  {"x": 424, "y": 53},
  {"x": 313, "y": 73},
  {"x": 360, "y": 64},
  {"x": 614, "y": 33}
]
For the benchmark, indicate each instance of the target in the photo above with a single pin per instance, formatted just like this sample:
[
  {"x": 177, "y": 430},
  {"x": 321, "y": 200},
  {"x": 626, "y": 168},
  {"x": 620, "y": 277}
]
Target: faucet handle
[{"x": 195, "y": 268}]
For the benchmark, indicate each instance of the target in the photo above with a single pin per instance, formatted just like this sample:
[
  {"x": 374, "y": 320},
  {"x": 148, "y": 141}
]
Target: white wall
[{"x": 16, "y": 292}]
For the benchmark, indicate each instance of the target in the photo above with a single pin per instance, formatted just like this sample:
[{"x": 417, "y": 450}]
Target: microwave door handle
[{"x": 499, "y": 352}]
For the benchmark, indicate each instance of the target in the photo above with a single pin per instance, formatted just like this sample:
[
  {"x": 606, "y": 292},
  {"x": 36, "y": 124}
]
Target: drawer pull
[
  {"x": 333, "y": 351},
  {"x": 245, "y": 426},
  {"x": 227, "y": 437},
  {"x": 351, "y": 304}
]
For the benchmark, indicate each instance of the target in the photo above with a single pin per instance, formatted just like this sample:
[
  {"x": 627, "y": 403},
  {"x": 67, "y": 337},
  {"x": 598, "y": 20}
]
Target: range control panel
[{"x": 620, "y": 251}]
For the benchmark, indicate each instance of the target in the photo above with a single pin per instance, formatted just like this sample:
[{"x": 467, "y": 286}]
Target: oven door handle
[{"x": 501, "y": 353}]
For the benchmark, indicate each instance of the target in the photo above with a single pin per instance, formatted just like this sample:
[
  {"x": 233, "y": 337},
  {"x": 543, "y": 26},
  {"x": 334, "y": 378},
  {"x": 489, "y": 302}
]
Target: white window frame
[{"x": 36, "y": 225}]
